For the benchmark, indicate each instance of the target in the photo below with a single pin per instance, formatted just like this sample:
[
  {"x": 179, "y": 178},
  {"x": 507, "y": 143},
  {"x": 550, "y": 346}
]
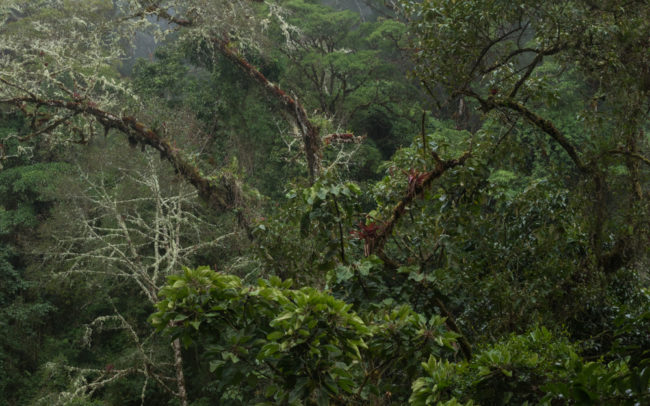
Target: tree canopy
[{"x": 435, "y": 202}]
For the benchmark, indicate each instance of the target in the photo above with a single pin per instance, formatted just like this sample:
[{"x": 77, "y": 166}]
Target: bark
[
  {"x": 222, "y": 196},
  {"x": 378, "y": 241},
  {"x": 634, "y": 166},
  {"x": 180, "y": 377},
  {"x": 310, "y": 133},
  {"x": 538, "y": 121}
]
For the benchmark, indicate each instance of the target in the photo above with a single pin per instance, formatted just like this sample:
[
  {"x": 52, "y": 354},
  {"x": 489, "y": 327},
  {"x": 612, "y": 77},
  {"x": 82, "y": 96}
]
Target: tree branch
[
  {"x": 630, "y": 154},
  {"x": 538, "y": 121},
  {"x": 310, "y": 133},
  {"x": 222, "y": 196},
  {"x": 531, "y": 67},
  {"x": 378, "y": 242}
]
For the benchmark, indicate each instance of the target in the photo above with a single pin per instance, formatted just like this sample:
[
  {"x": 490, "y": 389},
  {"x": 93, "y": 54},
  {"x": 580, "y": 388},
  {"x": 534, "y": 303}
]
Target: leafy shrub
[{"x": 272, "y": 344}]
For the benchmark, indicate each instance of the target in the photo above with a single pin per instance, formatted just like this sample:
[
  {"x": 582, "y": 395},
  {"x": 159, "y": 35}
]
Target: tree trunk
[{"x": 180, "y": 378}]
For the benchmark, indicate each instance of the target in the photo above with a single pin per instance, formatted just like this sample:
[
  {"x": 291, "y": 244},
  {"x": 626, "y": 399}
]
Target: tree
[
  {"x": 23, "y": 309},
  {"x": 270, "y": 343},
  {"x": 133, "y": 227},
  {"x": 345, "y": 64},
  {"x": 352, "y": 73},
  {"x": 46, "y": 82},
  {"x": 510, "y": 57},
  {"x": 525, "y": 206}
]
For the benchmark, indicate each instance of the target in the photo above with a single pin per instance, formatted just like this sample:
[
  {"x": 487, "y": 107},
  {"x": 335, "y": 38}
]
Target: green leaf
[
  {"x": 274, "y": 336},
  {"x": 216, "y": 364}
]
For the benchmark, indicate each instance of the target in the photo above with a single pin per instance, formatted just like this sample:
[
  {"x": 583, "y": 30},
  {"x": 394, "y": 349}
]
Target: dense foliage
[{"x": 432, "y": 202}]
